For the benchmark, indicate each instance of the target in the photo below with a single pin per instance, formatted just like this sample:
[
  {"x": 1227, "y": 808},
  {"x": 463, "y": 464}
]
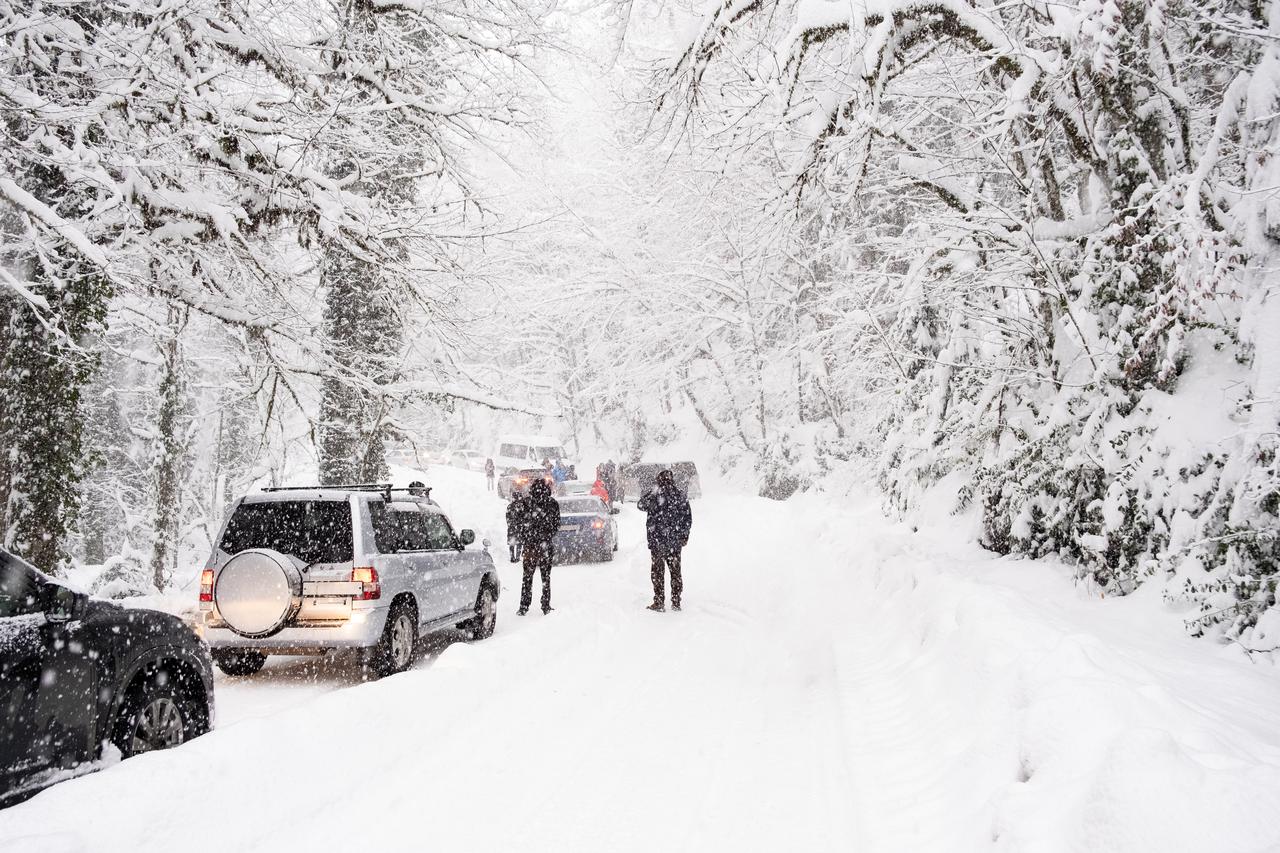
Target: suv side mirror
[
  {"x": 61, "y": 604},
  {"x": 466, "y": 536}
]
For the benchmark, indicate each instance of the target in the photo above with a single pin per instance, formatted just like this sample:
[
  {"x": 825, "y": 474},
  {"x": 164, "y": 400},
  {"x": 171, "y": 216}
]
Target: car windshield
[
  {"x": 311, "y": 531},
  {"x": 582, "y": 505},
  {"x": 19, "y": 588},
  {"x": 552, "y": 453},
  {"x": 514, "y": 451}
]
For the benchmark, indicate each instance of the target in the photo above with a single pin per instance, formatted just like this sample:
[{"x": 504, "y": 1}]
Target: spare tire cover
[{"x": 257, "y": 591}]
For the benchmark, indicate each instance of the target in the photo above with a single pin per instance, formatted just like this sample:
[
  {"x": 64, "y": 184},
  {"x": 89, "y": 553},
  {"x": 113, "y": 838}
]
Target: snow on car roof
[{"x": 580, "y": 504}]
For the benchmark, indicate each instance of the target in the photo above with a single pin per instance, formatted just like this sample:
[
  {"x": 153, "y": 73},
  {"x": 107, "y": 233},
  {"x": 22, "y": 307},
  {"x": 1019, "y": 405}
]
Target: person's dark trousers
[
  {"x": 536, "y": 558},
  {"x": 657, "y": 573}
]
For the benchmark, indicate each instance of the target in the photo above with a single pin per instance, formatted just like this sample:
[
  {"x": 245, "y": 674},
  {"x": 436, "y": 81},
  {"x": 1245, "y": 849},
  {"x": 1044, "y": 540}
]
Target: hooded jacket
[
  {"x": 515, "y": 515},
  {"x": 669, "y": 519},
  {"x": 541, "y": 516},
  {"x": 598, "y": 489}
]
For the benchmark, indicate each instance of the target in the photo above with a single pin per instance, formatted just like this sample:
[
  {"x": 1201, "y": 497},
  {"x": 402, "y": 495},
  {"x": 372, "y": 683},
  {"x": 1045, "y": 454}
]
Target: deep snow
[{"x": 836, "y": 682}]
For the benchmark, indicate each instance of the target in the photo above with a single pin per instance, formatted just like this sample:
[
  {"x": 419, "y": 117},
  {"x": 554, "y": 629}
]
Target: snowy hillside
[{"x": 836, "y": 682}]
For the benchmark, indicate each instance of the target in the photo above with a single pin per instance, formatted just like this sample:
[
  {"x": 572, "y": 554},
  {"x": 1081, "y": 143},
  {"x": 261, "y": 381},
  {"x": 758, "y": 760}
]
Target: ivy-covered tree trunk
[
  {"x": 363, "y": 326},
  {"x": 46, "y": 360},
  {"x": 170, "y": 451}
]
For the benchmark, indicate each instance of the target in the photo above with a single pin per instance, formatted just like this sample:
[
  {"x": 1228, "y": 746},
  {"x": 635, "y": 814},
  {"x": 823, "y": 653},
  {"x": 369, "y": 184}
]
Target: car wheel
[
  {"x": 394, "y": 651},
  {"x": 157, "y": 716},
  {"x": 239, "y": 661},
  {"x": 486, "y": 618},
  {"x": 608, "y": 556}
]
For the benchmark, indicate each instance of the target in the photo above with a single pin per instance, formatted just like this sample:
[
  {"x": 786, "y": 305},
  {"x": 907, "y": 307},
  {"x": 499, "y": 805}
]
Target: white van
[{"x": 527, "y": 451}]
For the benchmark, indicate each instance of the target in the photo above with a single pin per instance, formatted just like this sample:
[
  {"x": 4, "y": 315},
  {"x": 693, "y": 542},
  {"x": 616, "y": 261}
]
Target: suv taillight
[
  {"x": 206, "y": 585},
  {"x": 367, "y": 577}
]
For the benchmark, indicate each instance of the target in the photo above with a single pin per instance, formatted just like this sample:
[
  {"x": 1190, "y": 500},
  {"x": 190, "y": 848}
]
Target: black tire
[
  {"x": 394, "y": 652},
  {"x": 486, "y": 618},
  {"x": 239, "y": 661},
  {"x": 156, "y": 715}
]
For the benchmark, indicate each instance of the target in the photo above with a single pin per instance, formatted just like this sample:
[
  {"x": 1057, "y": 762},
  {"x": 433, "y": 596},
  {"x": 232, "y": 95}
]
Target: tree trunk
[{"x": 170, "y": 451}]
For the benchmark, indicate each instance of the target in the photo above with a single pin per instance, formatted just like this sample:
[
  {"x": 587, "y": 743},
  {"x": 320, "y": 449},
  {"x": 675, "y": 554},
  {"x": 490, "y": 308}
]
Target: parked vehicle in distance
[
  {"x": 639, "y": 478},
  {"x": 77, "y": 673},
  {"x": 527, "y": 451},
  {"x": 367, "y": 569},
  {"x": 409, "y": 456},
  {"x": 472, "y": 460},
  {"x": 519, "y": 480},
  {"x": 587, "y": 530}
]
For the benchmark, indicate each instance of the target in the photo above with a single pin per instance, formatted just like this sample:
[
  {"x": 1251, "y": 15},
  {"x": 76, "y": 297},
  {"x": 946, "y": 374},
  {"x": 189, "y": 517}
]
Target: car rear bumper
[
  {"x": 362, "y": 630},
  {"x": 581, "y": 543}
]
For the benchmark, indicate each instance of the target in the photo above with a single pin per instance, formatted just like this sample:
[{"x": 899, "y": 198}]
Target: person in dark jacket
[
  {"x": 610, "y": 476},
  {"x": 515, "y": 518},
  {"x": 541, "y": 520},
  {"x": 668, "y": 524}
]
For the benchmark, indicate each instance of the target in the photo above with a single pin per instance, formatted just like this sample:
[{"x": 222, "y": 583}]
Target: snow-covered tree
[{"x": 1044, "y": 240}]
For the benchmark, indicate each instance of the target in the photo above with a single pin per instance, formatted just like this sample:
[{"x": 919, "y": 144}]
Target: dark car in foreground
[
  {"x": 587, "y": 530},
  {"x": 81, "y": 678}
]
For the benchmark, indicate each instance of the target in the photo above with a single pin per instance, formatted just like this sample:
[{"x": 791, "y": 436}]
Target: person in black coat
[
  {"x": 668, "y": 524},
  {"x": 538, "y": 525},
  {"x": 515, "y": 516},
  {"x": 609, "y": 475}
]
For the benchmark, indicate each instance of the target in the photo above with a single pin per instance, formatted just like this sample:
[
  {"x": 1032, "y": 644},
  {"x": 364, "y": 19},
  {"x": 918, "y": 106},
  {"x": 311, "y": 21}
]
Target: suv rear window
[
  {"x": 514, "y": 451},
  {"x": 312, "y": 531}
]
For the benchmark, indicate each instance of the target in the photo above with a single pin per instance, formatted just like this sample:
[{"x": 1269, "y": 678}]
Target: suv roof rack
[
  {"x": 385, "y": 488},
  {"x": 423, "y": 492}
]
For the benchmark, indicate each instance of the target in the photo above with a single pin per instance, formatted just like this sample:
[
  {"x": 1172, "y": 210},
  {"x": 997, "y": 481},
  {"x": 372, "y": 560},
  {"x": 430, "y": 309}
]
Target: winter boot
[
  {"x": 675, "y": 605},
  {"x": 656, "y": 607},
  {"x": 522, "y": 611},
  {"x": 547, "y": 609}
]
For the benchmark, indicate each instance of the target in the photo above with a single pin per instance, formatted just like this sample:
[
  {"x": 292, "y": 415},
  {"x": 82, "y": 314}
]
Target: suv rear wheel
[
  {"x": 394, "y": 651},
  {"x": 239, "y": 661}
]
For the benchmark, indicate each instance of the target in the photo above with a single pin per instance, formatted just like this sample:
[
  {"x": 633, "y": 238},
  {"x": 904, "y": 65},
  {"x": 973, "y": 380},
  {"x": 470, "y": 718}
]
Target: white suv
[{"x": 308, "y": 570}]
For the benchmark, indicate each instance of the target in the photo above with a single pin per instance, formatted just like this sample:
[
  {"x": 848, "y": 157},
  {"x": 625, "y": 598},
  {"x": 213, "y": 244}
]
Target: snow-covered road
[{"x": 836, "y": 682}]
